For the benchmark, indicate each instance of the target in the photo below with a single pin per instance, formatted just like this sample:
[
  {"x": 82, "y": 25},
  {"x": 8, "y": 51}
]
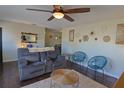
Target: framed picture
[
  {"x": 85, "y": 38},
  {"x": 71, "y": 35},
  {"x": 28, "y": 37},
  {"x": 120, "y": 34}
]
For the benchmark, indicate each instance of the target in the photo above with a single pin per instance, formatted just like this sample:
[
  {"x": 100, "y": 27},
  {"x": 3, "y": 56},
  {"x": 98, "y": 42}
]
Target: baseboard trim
[
  {"x": 107, "y": 73},
  {"x": 5, "y": 61}
]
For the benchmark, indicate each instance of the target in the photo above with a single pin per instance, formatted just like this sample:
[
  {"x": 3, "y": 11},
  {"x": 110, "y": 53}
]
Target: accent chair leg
[
  {"x": 103, "y": 75},
  {"x": 86, "y": 70},
  {"x": 95, "y": 74}
]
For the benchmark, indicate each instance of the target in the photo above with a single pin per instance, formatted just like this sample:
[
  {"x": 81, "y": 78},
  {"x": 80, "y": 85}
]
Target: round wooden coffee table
[{"x": 64, "y": 78}]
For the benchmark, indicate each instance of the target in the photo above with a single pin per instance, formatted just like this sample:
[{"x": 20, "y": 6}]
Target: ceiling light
[{"x": 58, "y": 15}]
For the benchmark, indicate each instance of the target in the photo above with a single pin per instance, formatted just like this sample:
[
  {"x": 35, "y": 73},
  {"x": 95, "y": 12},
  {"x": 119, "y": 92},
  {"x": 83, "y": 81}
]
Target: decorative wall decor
[
  {"x": 71, "y": 35},
  {"x": 96, "y": 38},
  {"x": 92, "y": 33},
  {"x": 80, "y": 40},
  {"x": 106, "y": 38},
  {"x": 120, "y": 34},
  {"x": 28, "y": 37},
  {"x": 85, "y": 38}
]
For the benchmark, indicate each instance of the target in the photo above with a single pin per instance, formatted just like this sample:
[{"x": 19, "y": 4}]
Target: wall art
[
  {"x": 71, "y": 35},
  {"x": 106, "y": 38},
  {"x": 96, "y": 38},
  {"x": 85, "y": 38},
  {"x": 92, "y": 33},
  {"x": 80, "y": 40},
  {"x": 28, "y": 37},
  {"x": 120, "y": 34}
]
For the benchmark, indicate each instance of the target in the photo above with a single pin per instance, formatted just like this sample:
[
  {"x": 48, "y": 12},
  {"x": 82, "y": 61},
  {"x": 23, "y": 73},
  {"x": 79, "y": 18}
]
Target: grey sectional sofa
[{"x": 35, "y": 64}]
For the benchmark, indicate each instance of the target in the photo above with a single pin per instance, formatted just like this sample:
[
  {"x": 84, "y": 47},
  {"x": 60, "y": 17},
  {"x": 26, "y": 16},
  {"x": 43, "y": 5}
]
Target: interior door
[{"x": 1, "y": 45}]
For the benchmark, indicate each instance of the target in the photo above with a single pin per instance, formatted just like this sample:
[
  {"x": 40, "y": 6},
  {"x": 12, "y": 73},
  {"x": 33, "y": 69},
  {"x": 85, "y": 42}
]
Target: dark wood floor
[{"x": 9, "y": 76}]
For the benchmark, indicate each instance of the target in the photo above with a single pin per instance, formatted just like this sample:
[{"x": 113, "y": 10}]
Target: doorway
[
  {"x": 53, "y": 38},
  {"x": 1, "y": 57}
]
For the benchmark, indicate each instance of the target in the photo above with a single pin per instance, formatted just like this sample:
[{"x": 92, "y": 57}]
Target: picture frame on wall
[
  {"x": 28, "y": 37},
  {"x": 71, "y": 35},
  {"x": 120, "y": 34}
]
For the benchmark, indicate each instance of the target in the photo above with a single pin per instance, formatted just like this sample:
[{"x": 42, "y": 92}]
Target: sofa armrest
[
  {"x": 60, "y": 62},
  {"x": 22, "y": 62},
  {"x": 60, "y": 58},
  {"x": 49, "y": 62}
]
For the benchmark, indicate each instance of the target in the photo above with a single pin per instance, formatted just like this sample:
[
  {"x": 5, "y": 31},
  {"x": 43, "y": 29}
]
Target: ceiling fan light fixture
[{"x": 58, "y": 15}]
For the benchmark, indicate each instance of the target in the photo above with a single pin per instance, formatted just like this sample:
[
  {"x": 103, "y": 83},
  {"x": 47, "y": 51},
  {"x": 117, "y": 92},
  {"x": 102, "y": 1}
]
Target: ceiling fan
[{"x": 58, "y": 12}]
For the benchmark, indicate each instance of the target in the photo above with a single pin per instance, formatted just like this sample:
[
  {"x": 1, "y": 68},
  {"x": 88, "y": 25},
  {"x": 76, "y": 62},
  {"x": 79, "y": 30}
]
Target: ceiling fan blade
[
  {"x": 76, "y": 10},
  {"x": 39, "y": 10},
  {"x": 68, "y": 18},
  {"x": 52, "y": 17}
]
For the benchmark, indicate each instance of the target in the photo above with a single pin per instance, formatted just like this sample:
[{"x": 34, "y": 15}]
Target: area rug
[{"x": 84, "y": 82}]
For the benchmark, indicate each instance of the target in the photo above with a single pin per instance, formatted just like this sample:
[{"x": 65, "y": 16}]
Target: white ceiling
[{"x": 19, "y": 13}]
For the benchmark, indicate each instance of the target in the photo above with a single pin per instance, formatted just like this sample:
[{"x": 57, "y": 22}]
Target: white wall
[
  {"x": 12, "y": 38},
  {"x": 114, "y": 52}
]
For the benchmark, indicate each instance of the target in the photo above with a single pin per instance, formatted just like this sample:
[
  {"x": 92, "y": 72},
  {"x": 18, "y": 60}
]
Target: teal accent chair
[
  {"x": 79, "y": 58},
  {"x": 97, "y": 63}
]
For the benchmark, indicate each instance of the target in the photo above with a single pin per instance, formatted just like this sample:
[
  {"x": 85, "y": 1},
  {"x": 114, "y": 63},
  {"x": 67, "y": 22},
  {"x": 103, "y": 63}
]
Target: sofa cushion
[
  {"x": 31, "y": 57},
  {"x": 43, "y": 56},
  {"x": 38, "y": 63},
  {"x": 51, "y": 54}
]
